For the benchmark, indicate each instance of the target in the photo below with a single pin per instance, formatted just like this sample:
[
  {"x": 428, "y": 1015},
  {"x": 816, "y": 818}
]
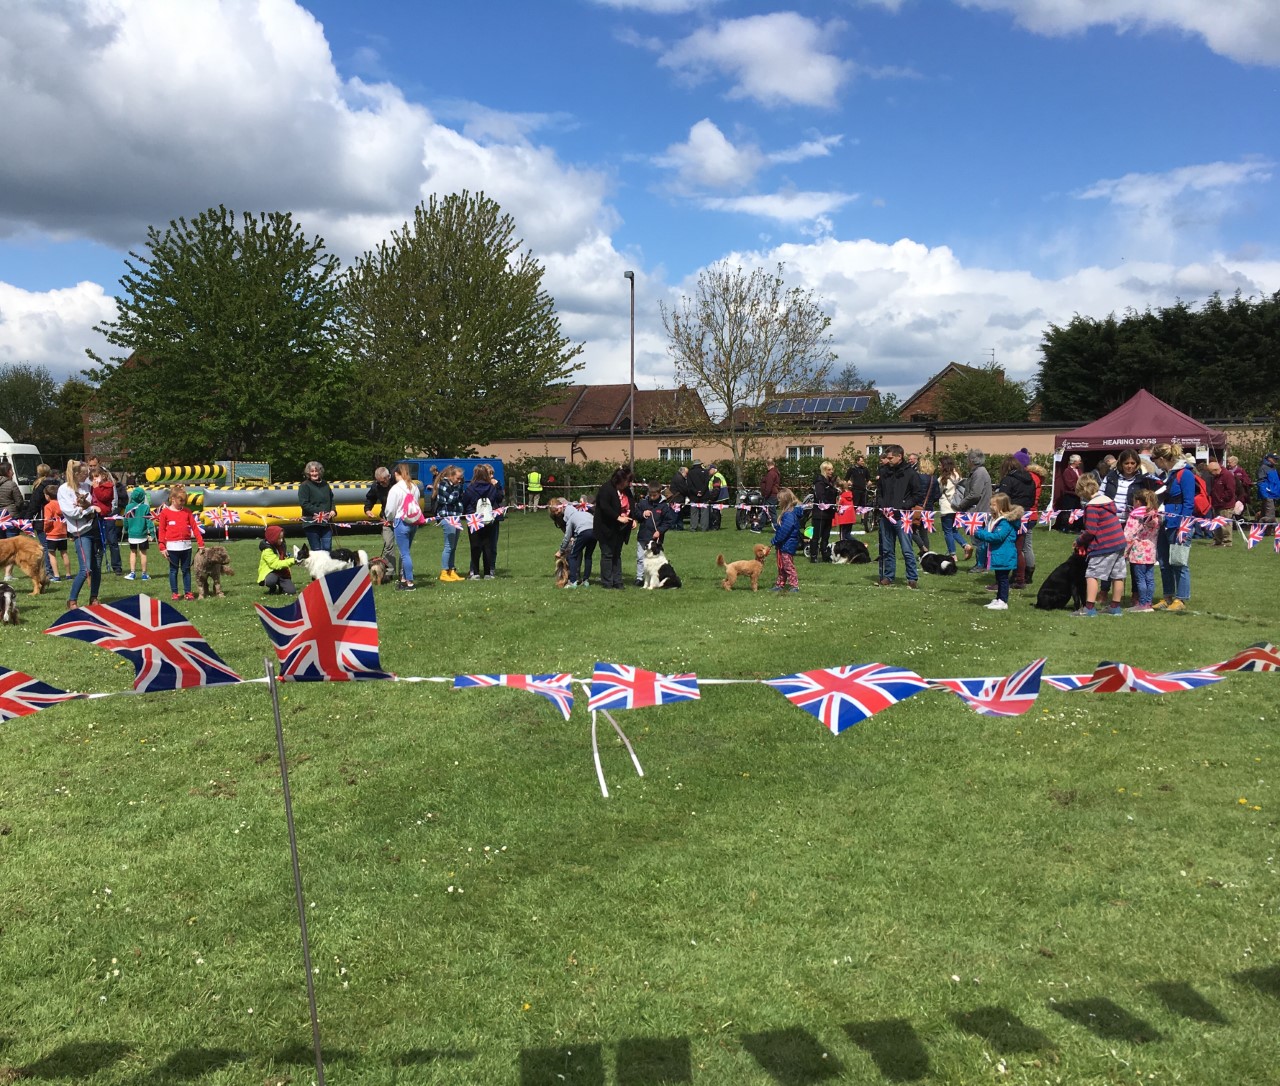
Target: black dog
[
  {"x": 1065, "y": 585},
  {"x": 941, "y": 564},
  {"x": 8, "y": 605},
  {"x": 850, "y": 552}
]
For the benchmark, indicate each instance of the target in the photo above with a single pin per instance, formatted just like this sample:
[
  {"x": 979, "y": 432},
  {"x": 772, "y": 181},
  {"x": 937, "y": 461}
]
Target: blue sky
[{"x": 949, "y": 176}]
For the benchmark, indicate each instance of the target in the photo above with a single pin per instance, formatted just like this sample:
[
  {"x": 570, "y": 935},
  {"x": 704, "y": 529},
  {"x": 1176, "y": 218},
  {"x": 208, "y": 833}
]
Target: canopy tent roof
[{"x": 1141, "y": 421}]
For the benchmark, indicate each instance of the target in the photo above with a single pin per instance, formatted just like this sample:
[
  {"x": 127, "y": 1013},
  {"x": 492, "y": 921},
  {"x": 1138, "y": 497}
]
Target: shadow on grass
[
  {"x": 793, "y": 1057},
  {"x": 1265, "y": 979},
  {"x": 894, "y": 1046},
  {"x": 1182, "y": 999},
  {"x": 1002, "y": 1029},
  {"x": 581, "y": 1065},
  {"x": 649, "y": 1061},
  {"x": 418, "y": 1057},
  {"x": 191, "y": 1063},
  {"x": 1107, "y": 1020},
  {"x": 77, "y": 1060}
]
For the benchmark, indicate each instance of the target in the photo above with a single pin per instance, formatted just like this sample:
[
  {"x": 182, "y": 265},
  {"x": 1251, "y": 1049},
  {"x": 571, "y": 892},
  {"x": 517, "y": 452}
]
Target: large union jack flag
[
  {"x": 21, "y": 695},
  {"x": 555, "y": 688},
  {"x": 841, "y": 697},
  {"x": 165, "y": 648},
  {"x": 329, "y": 632},
  {"x": 1010, "y": 696},
  {"x": 1260, "y": 657},
  {"x": 618, "y": 686},
  {"x": 1113, "y": 678}
]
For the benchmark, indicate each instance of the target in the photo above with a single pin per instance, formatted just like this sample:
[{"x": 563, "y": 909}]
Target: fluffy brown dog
[
  {"x": 27, "y": 554},
  {"x": 379, "y": 570},
  {"x": 562, "y": 571},
  {"x": 211, "y": 564},
  {"x": 734, "y": 570}
]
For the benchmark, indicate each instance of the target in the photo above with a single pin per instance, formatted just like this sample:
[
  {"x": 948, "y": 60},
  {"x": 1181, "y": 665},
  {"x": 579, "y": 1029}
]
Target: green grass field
[{"x": 1085, "y": 894}]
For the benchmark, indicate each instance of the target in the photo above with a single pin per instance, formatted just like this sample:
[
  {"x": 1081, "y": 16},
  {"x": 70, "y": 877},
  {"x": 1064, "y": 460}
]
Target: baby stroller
[{"x": 751, "y": 512}]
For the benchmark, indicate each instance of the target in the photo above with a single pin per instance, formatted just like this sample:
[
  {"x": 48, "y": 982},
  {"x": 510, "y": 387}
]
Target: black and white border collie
[
  {"x": 318, "y": 563},
  {"x": 850, "y": 552},
  {"x": 658, "y": 572}
]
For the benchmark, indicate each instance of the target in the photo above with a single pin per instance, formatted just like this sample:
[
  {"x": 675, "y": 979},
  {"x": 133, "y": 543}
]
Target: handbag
[{"x": 1179, "y": 554}]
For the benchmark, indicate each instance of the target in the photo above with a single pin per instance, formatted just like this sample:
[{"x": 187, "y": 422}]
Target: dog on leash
[
  {"x": 850, "y": 552},
  {"x": 25, "y": 553},
  {"x": 1065, "y": 585},
  {"x": 941, "y": 564},
  {"x": 658, "y": 572},
  {"x": 379, "y": 570},
  {"x": 562, "y": 571},
  {"x": 8, "y": 605},
  {"x": 752, "y": 569},
  {"x": 318, "y": 563},
  {"x": 211, "y": 564}
]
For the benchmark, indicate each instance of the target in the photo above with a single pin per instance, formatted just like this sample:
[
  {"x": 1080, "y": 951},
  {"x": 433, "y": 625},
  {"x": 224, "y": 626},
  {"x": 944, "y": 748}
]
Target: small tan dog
[
  {"x": 562, "y": 571},
  {"x": 379, "y": 570},
  {"x": 734, "y": 570}
]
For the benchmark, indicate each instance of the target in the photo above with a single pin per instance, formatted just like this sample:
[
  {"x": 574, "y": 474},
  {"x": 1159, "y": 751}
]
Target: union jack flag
[
  {"x": 1066, "y": 682},
  {"x": 329, "y": 632},
  {"x": 1263, "y": 656},
  {"x": 841, "y": 697},
  {"x": 1185, "y": 528},
  {"x": 555, "y": 688},
  {"x": 166, "y": 650},
  {"x": 1029, "y": 518},
  {"x": 1076, "y": 514},
  {"x": 21, "y": 695},
  {"x": 474, "y": 522},
  {"x": 452, "y": 521},
  {"x": 970, "y": 522},
  {"x": 619, "y": 686},
  {"x": 1113, "y": 678},
  {"x": 1256, "y": 533},
  {"x": 1011, "y": 696},
  {"x": 926, "y": 519}
]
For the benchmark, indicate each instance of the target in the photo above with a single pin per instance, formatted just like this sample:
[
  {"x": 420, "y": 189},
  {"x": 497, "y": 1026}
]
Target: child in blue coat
[
  {"x": 786, "y": 541},
  {"x": 1001, "y": 537}
]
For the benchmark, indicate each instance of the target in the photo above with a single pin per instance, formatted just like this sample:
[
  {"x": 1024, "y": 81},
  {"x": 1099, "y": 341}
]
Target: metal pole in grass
[{"x": 297, "y": 872}]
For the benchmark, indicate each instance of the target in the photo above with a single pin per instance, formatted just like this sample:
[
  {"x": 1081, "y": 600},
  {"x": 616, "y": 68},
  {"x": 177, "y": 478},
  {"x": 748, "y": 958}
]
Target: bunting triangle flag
[
  {"x": 1114, "y": 678},
  {"x": 1010, "y": 696},
  {"x": 555, "y": 688},
  {"x": 166, "y": 650},
  {"x": 841, "y": 697},
  {"x": 1260, "y": 657},
  {"x": 619, "y": 686},
  {"x": 21, "y": 695}
]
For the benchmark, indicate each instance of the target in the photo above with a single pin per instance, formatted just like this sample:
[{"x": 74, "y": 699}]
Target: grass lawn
[{"x": 1085, "y": 894}]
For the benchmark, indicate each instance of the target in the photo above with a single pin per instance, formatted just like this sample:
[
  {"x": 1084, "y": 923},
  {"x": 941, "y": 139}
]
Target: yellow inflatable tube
[{"x": 277, "y": 503}]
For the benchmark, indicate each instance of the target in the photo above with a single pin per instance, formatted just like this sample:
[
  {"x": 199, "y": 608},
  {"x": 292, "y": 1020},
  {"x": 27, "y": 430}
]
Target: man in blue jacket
[{"x": 1269, "y": 487}]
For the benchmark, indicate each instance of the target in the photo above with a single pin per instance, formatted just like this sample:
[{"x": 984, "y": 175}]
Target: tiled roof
[{"x": 605, "y": 407}]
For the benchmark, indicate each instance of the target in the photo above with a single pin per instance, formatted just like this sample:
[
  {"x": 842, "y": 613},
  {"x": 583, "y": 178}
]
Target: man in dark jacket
[
  {"x": 653, "y": 516},
  {"x": 770, "y": 484},
  {"x": 376, "y": 496},
  {"x": 898, "y": 491},
  {"x": 700, "y": 516},
  {"x": 679, "y": 487}
]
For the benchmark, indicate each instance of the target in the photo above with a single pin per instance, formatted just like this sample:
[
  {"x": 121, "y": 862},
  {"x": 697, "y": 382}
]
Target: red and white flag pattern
[
  {"x": 620, "y": 686},
  {"x": 21, "y": 695},
  {"x": 557, "y": 689}
]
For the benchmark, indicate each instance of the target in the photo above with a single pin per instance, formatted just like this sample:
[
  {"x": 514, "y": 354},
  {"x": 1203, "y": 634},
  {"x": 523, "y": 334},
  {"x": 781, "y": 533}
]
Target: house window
[
  {"x": 795, "y": 452},
  {"x": 684, "y": 455},
  {"x": 875, "y": 450}
]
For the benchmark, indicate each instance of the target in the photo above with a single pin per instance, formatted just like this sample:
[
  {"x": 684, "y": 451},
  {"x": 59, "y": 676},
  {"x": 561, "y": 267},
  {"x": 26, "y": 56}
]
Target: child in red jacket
[{"x": 176, "y": 530}]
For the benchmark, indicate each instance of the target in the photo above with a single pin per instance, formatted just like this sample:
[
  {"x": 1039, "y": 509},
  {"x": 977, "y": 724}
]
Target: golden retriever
[{"x": 23, "y": 551}]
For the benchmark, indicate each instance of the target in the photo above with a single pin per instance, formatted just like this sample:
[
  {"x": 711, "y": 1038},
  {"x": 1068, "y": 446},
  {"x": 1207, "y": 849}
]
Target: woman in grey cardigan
[{"x": 977, "y": 495}]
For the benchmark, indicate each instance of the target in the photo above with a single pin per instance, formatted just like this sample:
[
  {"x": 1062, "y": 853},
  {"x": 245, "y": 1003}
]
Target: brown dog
[
  {"x": 379, "y": 570},
  {"x": 734, "y": 570},
  {"x": 28, "y": 555},
  {"x": 211, "y": 564},
  {"x": 562, "y": 571}
]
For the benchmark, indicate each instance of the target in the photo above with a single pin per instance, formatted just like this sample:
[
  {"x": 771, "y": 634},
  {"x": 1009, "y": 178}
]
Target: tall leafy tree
[
  {"x": 455, "y": 339},
  {"x": 983, "y": 394},
  {"x": 227, "y": 327},
  {"x": 28, "y": 395},
  {"x": 742, "y": 338}
]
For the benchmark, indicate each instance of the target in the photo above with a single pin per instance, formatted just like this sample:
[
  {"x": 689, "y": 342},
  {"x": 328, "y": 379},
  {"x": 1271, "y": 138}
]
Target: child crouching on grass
[
  {"x": 1001, "y": 538},
  {"x": 1141, "y": 530},
  {"x": 786, "y": 541},
  {"x": 176, "y": 529},
  {"x": 1105, "y": 540}
]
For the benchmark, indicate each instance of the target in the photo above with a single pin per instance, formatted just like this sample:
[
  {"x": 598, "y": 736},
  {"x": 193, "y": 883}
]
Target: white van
[{"x": 24, "y": 458}]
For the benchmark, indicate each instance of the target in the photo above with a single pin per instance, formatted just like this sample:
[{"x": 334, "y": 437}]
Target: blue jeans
[
  {"x": 1144, "y": 582},
  {"x": 1174, "y": 580},
  {"x": 892, "y": 535},
  {"x": 404, "y": 540},
  {"x": 951, "y": 534},
  {"x": 1002, "y": 584},
  {"x": 180, "y": 560},
  {"x": 449, "y": 554},
  {"x": 319, "y": 537},
  {"x": 582, "y": 552},
  {"x": 89, "y": 559}
]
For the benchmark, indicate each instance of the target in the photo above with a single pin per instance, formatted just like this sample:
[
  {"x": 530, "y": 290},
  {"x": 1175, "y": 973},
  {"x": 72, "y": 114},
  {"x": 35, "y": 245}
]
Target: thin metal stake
[{"x": 297, "y": 872}]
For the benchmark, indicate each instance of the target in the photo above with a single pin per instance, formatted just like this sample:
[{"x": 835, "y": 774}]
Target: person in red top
[
  {"x": 846, "y": 514},
  {"x": 102, "y": 491},
  {"x": 176, "y": 530}
]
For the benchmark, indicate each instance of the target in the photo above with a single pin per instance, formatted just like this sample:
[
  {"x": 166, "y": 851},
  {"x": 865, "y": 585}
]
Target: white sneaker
[{"x": 997, "y": 605}]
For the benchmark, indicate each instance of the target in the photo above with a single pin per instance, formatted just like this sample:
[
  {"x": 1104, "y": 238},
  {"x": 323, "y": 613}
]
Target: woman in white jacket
[
  {"x": 404, "y": 507},
  {"x": 76, "y": 504}
]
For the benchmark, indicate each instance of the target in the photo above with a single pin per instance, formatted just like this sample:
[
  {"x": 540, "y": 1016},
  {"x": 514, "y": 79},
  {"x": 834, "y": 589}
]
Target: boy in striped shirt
[{"x": 1103, "y": 535}]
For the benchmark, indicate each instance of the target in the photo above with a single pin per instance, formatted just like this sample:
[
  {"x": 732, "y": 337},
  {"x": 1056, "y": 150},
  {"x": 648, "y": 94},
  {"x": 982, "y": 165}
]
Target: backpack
[
  {"x": 411, "y": 511},
  {"x": 1202, "y": 503},
  {"x": 484, "y": 509}
]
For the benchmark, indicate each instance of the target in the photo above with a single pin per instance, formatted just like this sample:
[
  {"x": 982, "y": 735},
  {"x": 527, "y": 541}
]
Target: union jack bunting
[
  {"x": 452, "y": 521},
  {"x": 21, "y": 695},
  {"x": 1114, "y": 678},
  {"x": 1011, "y": 696},
  {"x": 1260, "y": 657},
  {"x": 1185, "y": 529},
  {"x": 474, "y": 522},
  {"x": 1076, "y": 514},
  {"x": 1066, "y": 682},
  {"x": 927, "y": 519},
  {"x": 1256, "y": 532},
  {"x": 841, "y": 697},
  {"x": 1029, "y": 519},
  {"x": 6, "y": 519},
  {"x": 618, "y": 686},
  {"x": 166, "y": 650},
  {"x": 555, "y": 688},
  {"x": 330, "y": 631},
  {"x": 970, "y": 522},
  {"x": 1277, "y": 542}
]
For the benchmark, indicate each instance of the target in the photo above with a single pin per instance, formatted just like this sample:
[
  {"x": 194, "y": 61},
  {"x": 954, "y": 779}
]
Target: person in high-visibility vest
[{"x": 535, "y": 489}]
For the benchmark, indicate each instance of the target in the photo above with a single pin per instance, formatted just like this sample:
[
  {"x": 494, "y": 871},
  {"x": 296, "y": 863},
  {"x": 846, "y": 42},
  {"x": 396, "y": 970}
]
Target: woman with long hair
[{"x": 613, "y": 522}]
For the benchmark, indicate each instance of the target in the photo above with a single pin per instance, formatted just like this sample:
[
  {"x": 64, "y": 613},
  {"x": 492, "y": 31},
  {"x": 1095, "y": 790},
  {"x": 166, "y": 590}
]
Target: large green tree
[
  {"x": 28, "y": 396},
  {"x": 983, "y": 394},
  {"x": 455, "y": 339},
  {"x": 227, "y": 326},
  {"x": 742, "y": 338}
]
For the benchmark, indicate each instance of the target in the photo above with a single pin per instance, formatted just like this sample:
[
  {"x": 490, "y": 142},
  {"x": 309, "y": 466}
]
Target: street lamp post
[{"x": 631, "y": 389}]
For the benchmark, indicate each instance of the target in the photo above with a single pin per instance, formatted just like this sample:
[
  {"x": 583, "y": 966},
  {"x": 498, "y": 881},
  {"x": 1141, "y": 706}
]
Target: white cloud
[
  {"x": 1156, "y": 191},
  {"x": 776, "y": 59},
  {"x": 708, "y": 159},
  {"x": 53, "y": 328},
  {"x": 821, "y": 147},
  {"x": 658, "y": 7},
  {"x": 788, "y": 207},
  {"x": 1244, "y": 30}
]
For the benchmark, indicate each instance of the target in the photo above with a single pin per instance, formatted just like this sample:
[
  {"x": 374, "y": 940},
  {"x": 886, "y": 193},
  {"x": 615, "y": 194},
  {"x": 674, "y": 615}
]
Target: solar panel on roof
[
  {"x": 824, "y": 404},
  {"x": 860, "y": 403}
]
